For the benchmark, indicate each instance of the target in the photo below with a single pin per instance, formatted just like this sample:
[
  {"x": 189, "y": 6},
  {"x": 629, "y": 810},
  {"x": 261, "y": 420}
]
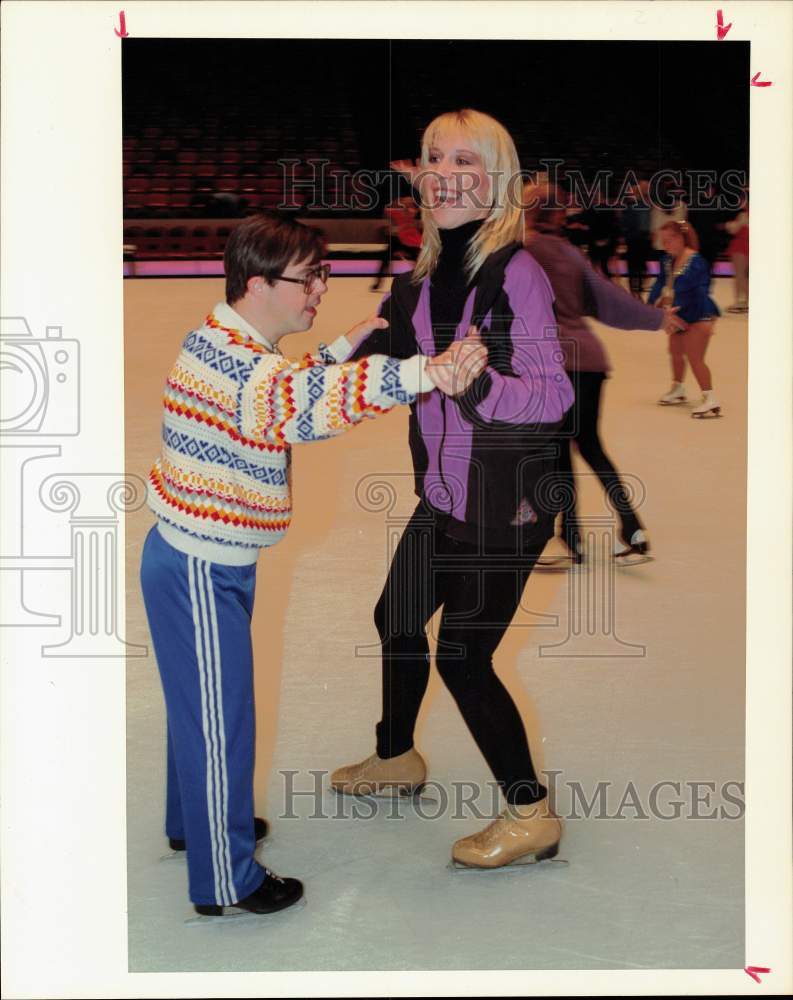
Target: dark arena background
[
  {"x": 218, "y": 129},
  {"x": 630, "y": 680}
]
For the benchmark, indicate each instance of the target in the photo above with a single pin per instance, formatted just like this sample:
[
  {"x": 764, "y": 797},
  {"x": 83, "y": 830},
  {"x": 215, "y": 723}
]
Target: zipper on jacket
[{"x": 440, "y": 454}]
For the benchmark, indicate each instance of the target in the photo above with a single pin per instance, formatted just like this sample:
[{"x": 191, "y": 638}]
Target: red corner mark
[
  {"x": 760, "y": 83},
  {"x": 752, "y": 970},
  {"x": 123, "y": 25},
  {"x": 721, "y": 31}
]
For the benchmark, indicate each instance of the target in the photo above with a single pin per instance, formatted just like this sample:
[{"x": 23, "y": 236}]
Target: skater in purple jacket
[{"x": 483, "y": 462}]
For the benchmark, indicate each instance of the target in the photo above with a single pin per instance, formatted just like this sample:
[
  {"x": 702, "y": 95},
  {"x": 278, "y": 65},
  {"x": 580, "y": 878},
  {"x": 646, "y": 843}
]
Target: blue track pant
[{"x": 199, "y": 617}]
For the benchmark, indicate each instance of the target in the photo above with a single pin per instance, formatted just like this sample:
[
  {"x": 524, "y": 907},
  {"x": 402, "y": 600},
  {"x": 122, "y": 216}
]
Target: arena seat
[
  {"x": 181, "y": 202},
  {"x": 201, "y": 243},
  {"x": 151, "y": 242},
  {"x": 176, "y": 242}
]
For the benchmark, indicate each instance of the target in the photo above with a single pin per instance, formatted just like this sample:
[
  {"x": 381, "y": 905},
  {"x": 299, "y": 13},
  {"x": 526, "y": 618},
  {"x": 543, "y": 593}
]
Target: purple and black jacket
[{"x": 485, "y": 461}]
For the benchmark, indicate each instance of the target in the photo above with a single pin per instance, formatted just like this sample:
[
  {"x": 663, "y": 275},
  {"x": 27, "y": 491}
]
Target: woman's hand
[
  {"x": 458, "y": 366},
  {"x": 672, "y": 323},
  {"x": 360, "y": 332}
]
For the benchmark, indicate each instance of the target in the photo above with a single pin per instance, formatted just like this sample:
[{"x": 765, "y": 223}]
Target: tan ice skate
[
  {"x": 520, "y": 835},
  {"x": 402, "y": 775}
]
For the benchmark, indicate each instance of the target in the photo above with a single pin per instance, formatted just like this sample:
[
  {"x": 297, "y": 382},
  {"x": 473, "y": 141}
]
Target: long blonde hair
[{"x": 491, "y": 141}]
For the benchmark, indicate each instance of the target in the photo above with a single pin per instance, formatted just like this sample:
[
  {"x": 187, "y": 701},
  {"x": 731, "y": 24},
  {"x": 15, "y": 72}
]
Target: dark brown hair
[
  {"x": 689, "y": 234},
  {"x": 544, "y": 205},
  {"x": 264, "y": 245}
]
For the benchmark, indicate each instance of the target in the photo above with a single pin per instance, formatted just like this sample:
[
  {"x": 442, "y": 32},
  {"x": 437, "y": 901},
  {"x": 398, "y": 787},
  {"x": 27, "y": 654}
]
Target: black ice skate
[
  {"x": 275, "y": 893},
  {"x": 633, "y": 553},
  {"x": 572, "y": 556}
]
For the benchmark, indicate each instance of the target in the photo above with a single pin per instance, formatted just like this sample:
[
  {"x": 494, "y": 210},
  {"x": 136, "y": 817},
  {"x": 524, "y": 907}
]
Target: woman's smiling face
[{"x": 455, "y": 187}]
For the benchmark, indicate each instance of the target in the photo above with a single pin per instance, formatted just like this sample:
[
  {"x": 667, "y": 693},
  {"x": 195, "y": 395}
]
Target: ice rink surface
[{"x": 626, "y": 678}]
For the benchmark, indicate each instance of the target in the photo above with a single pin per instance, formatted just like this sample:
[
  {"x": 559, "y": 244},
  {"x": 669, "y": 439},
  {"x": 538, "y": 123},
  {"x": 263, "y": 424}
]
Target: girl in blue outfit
[{"x": 683, "y": 281}]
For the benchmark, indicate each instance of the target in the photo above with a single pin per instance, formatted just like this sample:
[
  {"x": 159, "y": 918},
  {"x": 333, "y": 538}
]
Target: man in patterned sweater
[{"x": 220, "y": 490}]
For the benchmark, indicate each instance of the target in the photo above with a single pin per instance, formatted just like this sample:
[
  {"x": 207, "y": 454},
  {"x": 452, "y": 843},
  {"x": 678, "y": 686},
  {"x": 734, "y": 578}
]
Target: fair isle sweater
[{"x": 233, "y": 407}]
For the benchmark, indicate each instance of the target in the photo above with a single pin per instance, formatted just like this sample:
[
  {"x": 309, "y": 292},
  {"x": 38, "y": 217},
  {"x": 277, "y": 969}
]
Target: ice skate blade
[
  {"x": 672, "y": 402},
  {"x": 557, "y": 564},
  {"x": 636, "y": 559},
  {"x": 560, "y": 562},
  {"x": 528, "y": 862},
  {"x": 231, "y": 913},
  {"x": 391, "y": 792},
  {"x": 708, "y": 415}
]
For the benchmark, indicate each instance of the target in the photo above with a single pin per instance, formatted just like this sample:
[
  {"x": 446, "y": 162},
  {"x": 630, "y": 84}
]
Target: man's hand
[
  {"x": 360, "y": 332},
  {"x": 672, "y": 323},
  {"x": 455, "y": 369}
]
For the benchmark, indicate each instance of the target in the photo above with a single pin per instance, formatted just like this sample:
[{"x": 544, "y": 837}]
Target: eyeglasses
[{"x": 321, "y": 273}]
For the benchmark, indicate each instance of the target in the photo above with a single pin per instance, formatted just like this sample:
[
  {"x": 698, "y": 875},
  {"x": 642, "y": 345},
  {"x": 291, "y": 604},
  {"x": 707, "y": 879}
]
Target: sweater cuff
[
  {"x": 339, "y": 350},
  {"x": 414, "y": 378}
]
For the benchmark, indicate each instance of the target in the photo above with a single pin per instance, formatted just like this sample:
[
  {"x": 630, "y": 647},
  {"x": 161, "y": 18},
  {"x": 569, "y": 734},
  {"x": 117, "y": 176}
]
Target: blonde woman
[
  {"x": 684, "y": 282},
  {"x": 480, "y": 460}
]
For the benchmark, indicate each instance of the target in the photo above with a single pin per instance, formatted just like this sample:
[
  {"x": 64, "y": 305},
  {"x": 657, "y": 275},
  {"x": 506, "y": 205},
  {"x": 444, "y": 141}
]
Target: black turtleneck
[{"x": 449, "y": 286}]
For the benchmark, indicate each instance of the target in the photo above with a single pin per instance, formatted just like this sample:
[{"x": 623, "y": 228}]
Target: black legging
[
  {"x": 599, "y": 256},
  {"x": 639, "y": 249},
  {"x": 581, "y": 426},
  {"x": 479, "y": 598}
]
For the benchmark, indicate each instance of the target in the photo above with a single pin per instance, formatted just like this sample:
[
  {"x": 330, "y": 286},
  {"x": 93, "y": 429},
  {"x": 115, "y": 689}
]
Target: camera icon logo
[{"x": 40, "y": 381}]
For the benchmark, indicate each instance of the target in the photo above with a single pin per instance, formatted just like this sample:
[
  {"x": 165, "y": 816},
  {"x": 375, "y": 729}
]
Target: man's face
[{"x": 290, "y": 309}]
